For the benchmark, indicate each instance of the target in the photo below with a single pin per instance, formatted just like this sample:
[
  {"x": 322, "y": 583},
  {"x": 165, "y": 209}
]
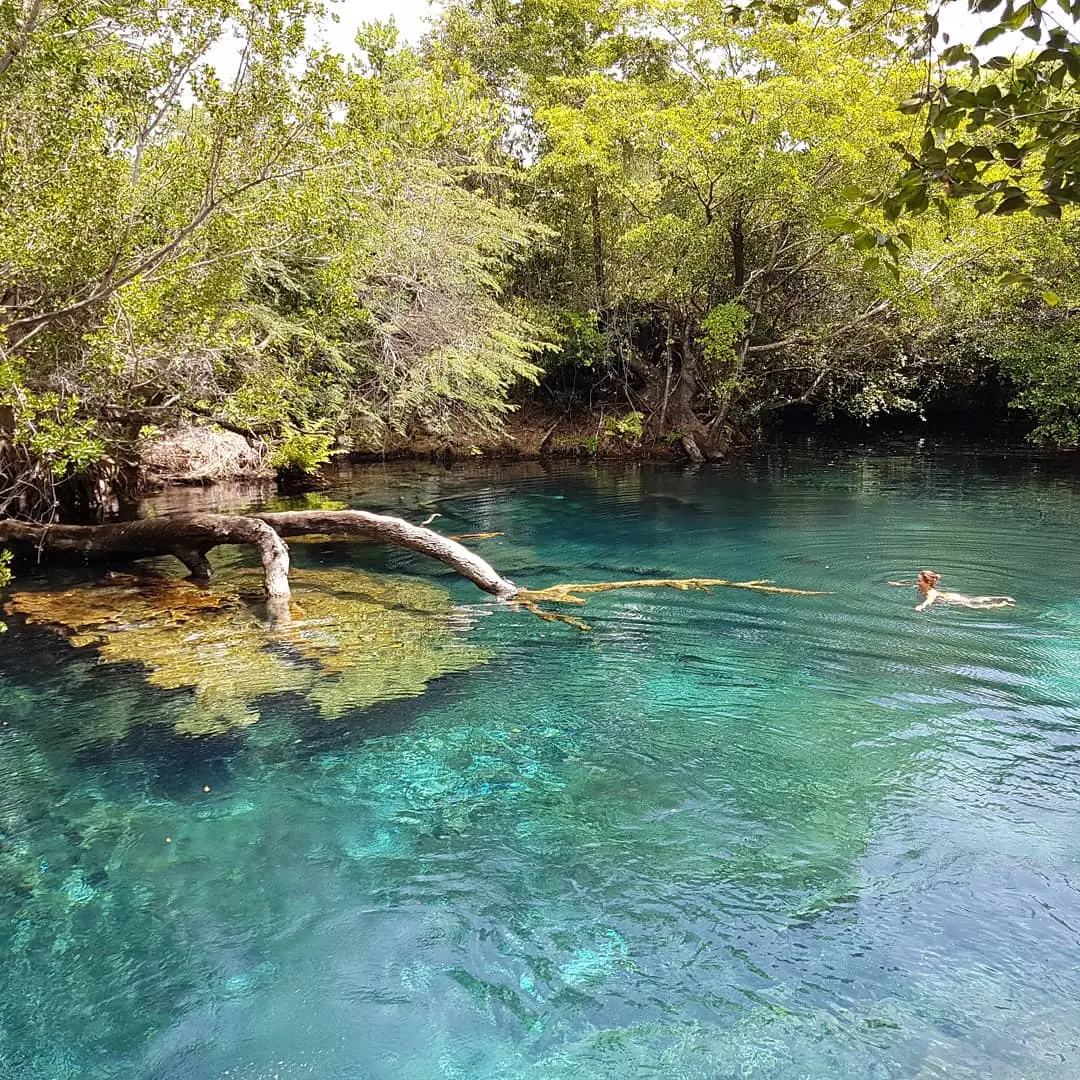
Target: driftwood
[{"x": 189, "y": 537}]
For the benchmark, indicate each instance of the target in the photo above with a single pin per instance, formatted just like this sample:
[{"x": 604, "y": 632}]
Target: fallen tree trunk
[
  {"x": 396, "y": 531},
  {"x": 189, "y": 537}
]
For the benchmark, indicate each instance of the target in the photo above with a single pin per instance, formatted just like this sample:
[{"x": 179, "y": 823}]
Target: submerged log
[
  {"x": 189, "y": 537},
  {"x": 530, "y": 599}
]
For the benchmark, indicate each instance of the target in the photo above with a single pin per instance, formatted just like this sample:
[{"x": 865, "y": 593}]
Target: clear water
[{"x": 725, "y": 835}]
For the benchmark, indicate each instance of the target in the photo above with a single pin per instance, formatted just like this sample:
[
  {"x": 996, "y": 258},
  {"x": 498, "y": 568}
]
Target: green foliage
[
  {"x": 998, "y": 129},
  {"x": 285, "y": 244},
  {"x": 726, "y": 188},
  {"x": 47, "y": 424},
  {"x": 628, "y": 426},
  {"x": 690, "y": 212},
  {"x": 580, "y": 341},
  {"x": 302, "y": 452},
  {"x": 722, "y": 329},
  {"x": 694, "y": 169},
  {"x": 1042, "y": 357}
]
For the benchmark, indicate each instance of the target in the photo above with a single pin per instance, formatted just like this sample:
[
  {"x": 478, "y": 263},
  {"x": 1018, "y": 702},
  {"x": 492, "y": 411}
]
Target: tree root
[{"x": 523, "y": 603}]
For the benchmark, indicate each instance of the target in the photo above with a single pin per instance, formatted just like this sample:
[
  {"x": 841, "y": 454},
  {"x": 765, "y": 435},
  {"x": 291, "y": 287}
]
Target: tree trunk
[
  {"x": 189, "y": 537},
  {"x": 683, "y": 418},
  {"x": 598, "y": 248},
  {"x": 668, "y": 343},
  {"x": 401, "y": 533},
  {"x": 738, "y": 257}
]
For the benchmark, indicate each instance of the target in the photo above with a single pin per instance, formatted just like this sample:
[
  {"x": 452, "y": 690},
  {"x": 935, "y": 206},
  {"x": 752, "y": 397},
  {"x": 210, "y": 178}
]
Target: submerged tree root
[
  {"x": 476, "y": 536},
  {"x": 530, "y": 599}
]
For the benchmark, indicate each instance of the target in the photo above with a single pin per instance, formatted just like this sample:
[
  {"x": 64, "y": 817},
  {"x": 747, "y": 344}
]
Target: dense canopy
[{"x": 682, "y": 219}]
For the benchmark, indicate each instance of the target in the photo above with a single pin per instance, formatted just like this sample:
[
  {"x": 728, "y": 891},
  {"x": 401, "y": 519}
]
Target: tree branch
[{"x": 22, "y": 37}]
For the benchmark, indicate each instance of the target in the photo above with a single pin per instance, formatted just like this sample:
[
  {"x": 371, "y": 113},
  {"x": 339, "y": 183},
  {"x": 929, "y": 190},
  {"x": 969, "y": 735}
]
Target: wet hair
[{"x": 929, "y": 577}]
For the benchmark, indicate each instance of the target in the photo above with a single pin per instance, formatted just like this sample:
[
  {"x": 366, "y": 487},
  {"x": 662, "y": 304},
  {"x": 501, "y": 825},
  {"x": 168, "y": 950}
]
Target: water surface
[{"x": 721, "y": 835}]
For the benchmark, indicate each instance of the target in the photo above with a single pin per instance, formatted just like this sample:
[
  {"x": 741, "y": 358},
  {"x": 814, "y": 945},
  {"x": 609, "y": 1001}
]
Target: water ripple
[{"x": 723, "y": 834}]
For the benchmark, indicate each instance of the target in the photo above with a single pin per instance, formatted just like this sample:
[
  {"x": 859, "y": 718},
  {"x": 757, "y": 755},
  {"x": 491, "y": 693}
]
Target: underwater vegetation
[{"x": 355, "y": 639}]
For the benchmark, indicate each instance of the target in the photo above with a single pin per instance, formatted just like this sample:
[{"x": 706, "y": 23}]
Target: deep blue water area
[{"x": 726, "y": 834}]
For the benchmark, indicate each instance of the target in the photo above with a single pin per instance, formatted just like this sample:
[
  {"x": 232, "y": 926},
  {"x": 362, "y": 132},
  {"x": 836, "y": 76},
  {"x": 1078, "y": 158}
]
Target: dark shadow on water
[{"x": 315, "y": 735}]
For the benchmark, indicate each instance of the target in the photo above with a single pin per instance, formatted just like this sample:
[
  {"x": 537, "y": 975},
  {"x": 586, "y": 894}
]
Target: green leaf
[
  {"x": 991, "y": 34},
  {"x": 1012, "y": 205},
  {"x": 919, "y": 202},
  {"x": 842, "y": 225},
  {"x": 955, "y": 54},
  {"x": 1051, "y": 299}
]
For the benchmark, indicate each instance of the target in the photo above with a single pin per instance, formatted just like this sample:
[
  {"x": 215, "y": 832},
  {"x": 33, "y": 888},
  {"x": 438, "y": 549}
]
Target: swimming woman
[{"x": 928, "y": 590}]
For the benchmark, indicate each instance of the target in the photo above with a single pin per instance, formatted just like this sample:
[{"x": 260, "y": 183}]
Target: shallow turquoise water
[{"x": 724, "y": 835}]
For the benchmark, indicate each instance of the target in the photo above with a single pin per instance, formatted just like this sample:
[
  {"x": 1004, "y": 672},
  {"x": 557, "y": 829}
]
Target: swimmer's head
[{"x": 928, "y": 579}]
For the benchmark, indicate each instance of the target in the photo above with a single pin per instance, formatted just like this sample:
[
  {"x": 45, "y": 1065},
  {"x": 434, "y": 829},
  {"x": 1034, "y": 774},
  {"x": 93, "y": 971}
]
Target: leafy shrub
[
  {"x": 1043, "y": 360},
  {"x": 721, "y": 331},
  {"x": 301, "y": 453},
  {"x": 629, "y": 426}
]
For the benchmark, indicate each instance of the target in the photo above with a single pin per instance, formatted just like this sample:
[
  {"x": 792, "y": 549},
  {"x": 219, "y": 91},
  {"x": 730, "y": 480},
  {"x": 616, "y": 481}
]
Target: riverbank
[{"x": 200, "y": 456}]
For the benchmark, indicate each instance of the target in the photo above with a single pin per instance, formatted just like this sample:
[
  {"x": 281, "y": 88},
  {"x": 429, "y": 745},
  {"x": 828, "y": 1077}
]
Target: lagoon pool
[{"x": 720, "y": 835}]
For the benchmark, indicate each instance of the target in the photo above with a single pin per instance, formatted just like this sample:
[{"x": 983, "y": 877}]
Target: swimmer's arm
[
  {"x": 931, "y": 596},
  {"x": 901, "y": 584}
]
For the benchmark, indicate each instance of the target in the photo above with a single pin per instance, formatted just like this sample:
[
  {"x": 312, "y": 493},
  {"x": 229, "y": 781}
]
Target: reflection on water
[{"x": 726, "y": 835}]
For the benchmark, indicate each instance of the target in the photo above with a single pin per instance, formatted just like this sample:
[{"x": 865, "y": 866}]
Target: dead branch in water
[
  {"x": 189, "y": 537},
  {"x": 530, "y": 599}
]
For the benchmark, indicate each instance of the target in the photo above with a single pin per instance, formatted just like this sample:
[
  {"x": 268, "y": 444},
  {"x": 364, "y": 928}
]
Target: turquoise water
[{"x": 724, "y": 835}]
